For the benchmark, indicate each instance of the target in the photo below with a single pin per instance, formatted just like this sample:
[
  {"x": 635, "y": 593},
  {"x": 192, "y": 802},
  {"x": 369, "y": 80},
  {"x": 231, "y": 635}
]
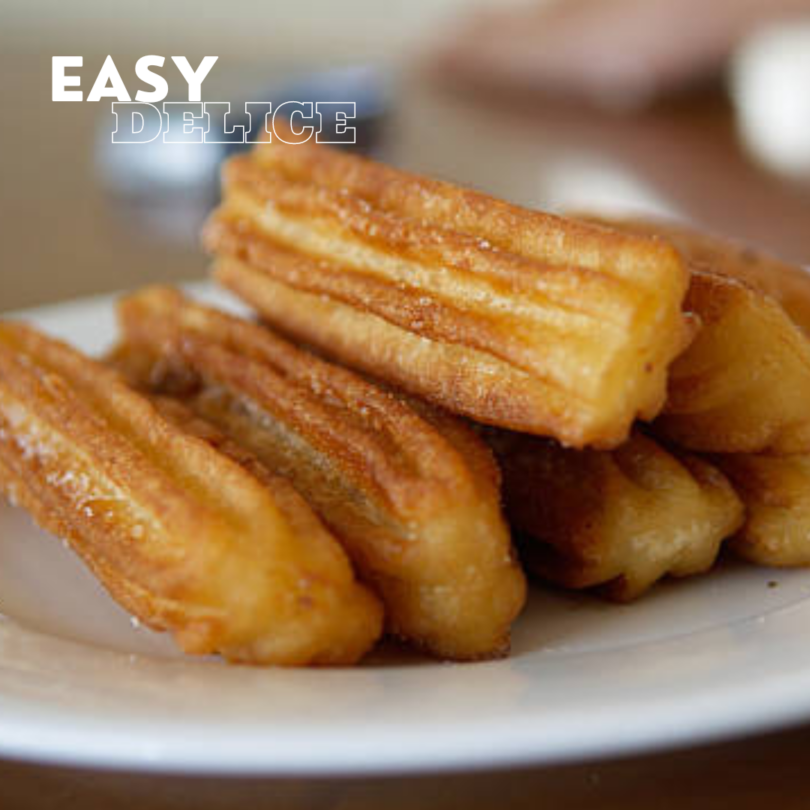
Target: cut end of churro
[
  {"x": 511, "y": 317},
  {"x": 721, "y": 394}
]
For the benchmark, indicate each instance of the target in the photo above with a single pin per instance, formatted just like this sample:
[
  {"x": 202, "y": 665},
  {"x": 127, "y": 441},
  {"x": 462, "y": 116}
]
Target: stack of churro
[{"x": 431, "y": 376}]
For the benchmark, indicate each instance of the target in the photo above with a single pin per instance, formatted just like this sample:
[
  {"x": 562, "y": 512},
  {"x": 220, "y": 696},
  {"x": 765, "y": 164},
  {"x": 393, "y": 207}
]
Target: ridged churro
[
  {"x": 183, "y": 536},
  {"x": 412, "y": 493},
  {"x": 509, "y": 316},
  {"x": 619, "y": 520},
  {"x": 743, "y": 384}
]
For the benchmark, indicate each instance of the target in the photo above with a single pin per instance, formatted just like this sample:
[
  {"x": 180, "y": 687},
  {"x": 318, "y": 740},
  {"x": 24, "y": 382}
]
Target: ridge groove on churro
[
  {"x": 188, "y": 540},
  {"x": 411, "y": 492},
  {"x": 510, "y": 316}
]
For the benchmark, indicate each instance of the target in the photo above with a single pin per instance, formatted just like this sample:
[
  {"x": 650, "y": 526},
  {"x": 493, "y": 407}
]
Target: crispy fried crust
[
  {"x": 776, "y": 493},
  {"x": 183, "y": 537},
  {"x": 412, "y": 493},
  {"x": 744, "y": 383},
  {"x": 512, "y": 317},
  {"x": 619, "y": 520}
]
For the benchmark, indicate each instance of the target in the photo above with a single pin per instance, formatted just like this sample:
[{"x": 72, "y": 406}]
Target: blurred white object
[
  {"x": 159, "y": 190},
  {"x": 770, "y": 82},
  {"x": 579, "y": 181},
  {"x": 156, "y": 168}
]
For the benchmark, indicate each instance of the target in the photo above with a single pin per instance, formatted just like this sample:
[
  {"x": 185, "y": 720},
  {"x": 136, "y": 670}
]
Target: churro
[
  {"x": 411, "y": 492},
  {"x": 184, "y": 537},
  {"x": 512, "y": 317}
]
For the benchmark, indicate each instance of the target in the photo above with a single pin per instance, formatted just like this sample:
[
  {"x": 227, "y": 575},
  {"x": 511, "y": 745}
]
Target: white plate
[{"x": 702, "y": 659}]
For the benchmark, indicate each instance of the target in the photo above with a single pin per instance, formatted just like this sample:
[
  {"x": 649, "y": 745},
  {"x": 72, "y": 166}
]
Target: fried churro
[
  {"x": 743, "y": 384},
  {"x": 185, "y": 537},
  {"x": 512, "y": 317},
  {"x": 411, "y": 492},
  {"x": 618, "y": 520}
]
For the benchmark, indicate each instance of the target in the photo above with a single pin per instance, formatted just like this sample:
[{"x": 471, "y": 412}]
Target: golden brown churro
[
  {"x": 188, "y": 540},
  {"x": 743, "y": 384},
  {"x": 509, "y": 316},
  {"x": 412, "y": 493},
  {"x": 618, "y": 519}
]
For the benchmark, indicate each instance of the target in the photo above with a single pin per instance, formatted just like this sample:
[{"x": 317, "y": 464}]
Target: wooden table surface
[
  {"x": 762, "y": 772},
  {"x": 62, "y": 235}
]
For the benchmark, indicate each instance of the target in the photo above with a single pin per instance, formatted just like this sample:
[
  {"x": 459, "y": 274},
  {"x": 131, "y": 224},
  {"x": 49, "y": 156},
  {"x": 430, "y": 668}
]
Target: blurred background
[{"x": 693, "y": 110}]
